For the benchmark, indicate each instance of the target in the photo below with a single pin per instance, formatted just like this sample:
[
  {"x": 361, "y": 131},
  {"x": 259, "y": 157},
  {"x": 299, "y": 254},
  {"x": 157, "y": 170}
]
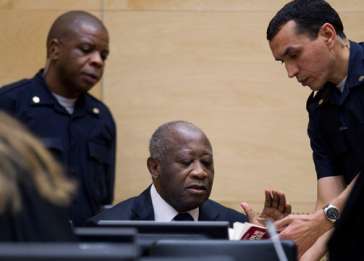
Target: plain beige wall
[{"x": 203, "y": 61}]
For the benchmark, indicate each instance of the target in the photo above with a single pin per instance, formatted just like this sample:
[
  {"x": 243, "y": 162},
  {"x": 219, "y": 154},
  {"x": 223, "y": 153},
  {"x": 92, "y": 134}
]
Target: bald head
[
  {"x": 69, "y": 23},
  {"x": 167, "y": 133}
]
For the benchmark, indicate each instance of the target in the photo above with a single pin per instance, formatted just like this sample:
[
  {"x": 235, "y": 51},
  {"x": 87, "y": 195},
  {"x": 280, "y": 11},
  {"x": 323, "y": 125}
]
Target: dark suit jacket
[{"x": 141, "y": 208}]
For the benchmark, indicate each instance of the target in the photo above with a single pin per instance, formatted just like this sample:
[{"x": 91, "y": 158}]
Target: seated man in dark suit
[{"x": 182, "y": 169}]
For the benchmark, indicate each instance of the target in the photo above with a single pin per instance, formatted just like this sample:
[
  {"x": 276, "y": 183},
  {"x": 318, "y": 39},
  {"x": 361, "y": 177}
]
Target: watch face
[{"x": 332, "y": 213}]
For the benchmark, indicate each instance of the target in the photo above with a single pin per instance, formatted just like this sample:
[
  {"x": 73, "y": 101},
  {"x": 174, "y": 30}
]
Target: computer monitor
[
  {"x": 252, "y": 250},
  {"x": 201, "y": 229},
  {"x": 189, "y": 258},
  {"x": 150, "y": 232},
  {"x": 105, "y": 234},
  {"x": 68, "y": 252}
]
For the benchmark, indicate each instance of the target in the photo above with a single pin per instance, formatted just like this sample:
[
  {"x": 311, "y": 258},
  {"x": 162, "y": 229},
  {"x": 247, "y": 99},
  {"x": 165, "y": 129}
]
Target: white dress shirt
[{"x": 163, "y": 212}]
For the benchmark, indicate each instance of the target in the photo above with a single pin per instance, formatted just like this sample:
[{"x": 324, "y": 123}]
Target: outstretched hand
[
  {"x": 275, "y": 208},
  {"x": 303, "y": 229}
]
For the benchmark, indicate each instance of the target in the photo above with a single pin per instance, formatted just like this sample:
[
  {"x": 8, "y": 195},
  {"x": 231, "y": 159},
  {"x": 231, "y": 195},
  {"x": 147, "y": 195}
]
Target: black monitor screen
[
  {"x": 252, "y": 250},
  {"x": 106, "y": 234},
  {"x": 201, "y": 229},
  {"x": 68, "y": 252}
]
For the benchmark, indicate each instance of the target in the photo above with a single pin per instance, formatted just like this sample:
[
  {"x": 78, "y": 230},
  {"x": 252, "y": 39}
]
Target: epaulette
[{"x": 10, "y": 86}]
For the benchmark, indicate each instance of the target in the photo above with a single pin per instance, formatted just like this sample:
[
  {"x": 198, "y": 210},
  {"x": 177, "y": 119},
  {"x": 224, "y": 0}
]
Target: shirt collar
[
  {"x": 341, "y": 85},
  {"x": 41, "y": 95},
  {"x": 356, "y": 65},
  {"x": 355, "y": 77},
  {"x": 163, "y": 212},
  {"x": 355, "y": 74}
]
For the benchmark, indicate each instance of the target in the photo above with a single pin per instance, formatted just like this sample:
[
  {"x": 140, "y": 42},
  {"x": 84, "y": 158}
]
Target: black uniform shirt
[
  {"x": 336, "y": 122},
  {"x": 84, "y": 142}
]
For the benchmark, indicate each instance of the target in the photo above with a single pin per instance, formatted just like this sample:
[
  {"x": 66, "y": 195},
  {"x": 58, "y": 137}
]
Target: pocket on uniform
[
  {"x": 99, "y": 152},
  {"x": 100, "y": 158}
]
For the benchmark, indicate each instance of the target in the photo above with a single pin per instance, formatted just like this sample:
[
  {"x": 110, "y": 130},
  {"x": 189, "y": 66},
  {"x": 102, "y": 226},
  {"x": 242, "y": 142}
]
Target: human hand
[
  {"x": 303, "y": 229},
  {"x": 275, "y": 208},
  {"x": 249, "y": 212},
  {"x": 319, "y": 248}
]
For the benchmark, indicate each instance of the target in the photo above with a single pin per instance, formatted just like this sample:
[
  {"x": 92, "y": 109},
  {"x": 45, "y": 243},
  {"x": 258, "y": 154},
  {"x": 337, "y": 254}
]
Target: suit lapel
[
  {"x": 207, "y": 212},
  {"x": 143, "y": 207}
]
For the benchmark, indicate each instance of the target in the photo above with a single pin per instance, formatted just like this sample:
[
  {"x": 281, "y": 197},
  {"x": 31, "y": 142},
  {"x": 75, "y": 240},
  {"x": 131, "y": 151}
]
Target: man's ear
[
  {"x": 153, "y": 167},
  {"x": 328, "y": 32},
  {"x": 54, "y": 49}
]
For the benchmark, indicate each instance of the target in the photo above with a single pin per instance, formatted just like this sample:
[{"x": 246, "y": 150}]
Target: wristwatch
[{"x": 331, "y": 212}]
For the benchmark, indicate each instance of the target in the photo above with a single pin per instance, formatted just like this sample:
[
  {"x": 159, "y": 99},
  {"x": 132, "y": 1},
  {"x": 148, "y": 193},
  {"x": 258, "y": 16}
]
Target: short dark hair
[
  {"x": 67, "y": 22},
  {"x": 309, "y": 16},
  {"x": 160, "y": 141}
]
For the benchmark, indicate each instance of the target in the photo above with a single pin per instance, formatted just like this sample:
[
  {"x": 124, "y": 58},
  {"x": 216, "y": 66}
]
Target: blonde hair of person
[{"x": 24, "y": 159}]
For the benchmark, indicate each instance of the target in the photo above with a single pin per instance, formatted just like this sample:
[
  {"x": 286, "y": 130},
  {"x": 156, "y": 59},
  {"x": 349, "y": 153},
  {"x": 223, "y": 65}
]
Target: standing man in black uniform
[
  {"x": 307, "y": 36},
  {"x": 55, "y": 105}
]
